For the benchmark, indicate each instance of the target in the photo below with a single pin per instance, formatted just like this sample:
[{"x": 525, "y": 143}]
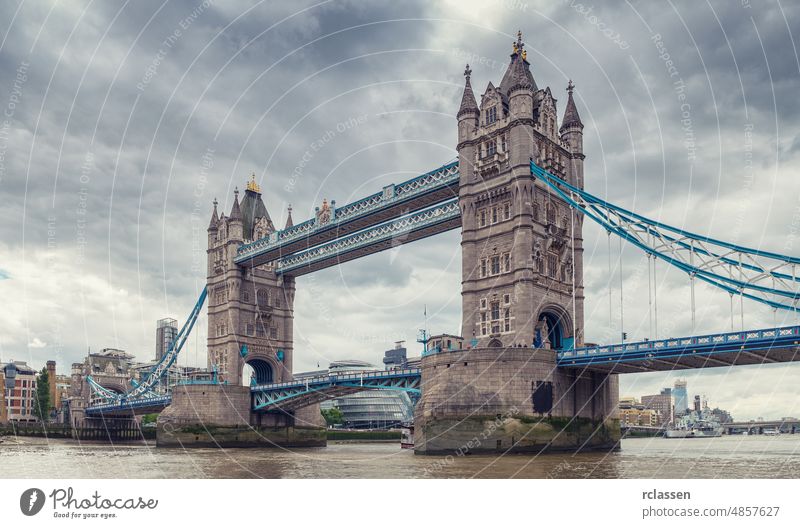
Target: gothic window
[
  {"x": 507, "y": 320},
  {"x": 245, "y": 296},
  {"x": 494, "y": 215},
  {"x": 483, "y": 324},
  {"x": 491, "y": 115},
  {"x": 483, "y": 304},
  {"x": 491, "y": 148},
  {"x": 273, "y": 333},
  {"x": 506, "y": 299},
  {"x": 551, "y": 213},
  {"x": 483, "y": 268},
  {"x": 495, "y": 317},
  {"x": 263, "y": 298},
  {"x": 507, "y": 211},
  {"x": 504, "y": 142},
  {"x": 495, "y": 265},
  {"x": 249, "y": 330},
  {"x": 507, "y": 262},
  {"x": 260, "y": 330},
  {"x": 536, "y": 211},
  {"x": 483, "y": 217},
  {"x": 552, "y": 264},
  {"x": 277, "y": 300}
]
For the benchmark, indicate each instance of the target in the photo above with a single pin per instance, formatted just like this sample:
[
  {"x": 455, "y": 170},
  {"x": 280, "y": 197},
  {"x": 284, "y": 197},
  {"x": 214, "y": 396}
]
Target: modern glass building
[
  {"x": 373, "y": 409},
  {"x": 681, "y": 397}
]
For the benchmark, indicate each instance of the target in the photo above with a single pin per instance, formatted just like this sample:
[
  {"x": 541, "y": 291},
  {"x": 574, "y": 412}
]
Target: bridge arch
[
  {"x": 257, "y": 371},
  {"x": 553, "y": 327}
]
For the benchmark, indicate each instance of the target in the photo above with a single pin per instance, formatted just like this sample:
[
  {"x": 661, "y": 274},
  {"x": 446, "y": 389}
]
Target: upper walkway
[{"x": 392, "y": 202}]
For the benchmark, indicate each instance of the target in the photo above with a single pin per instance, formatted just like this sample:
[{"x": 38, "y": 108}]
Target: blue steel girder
[
  {"x": 296, "y": 394},
  {"x": 749, "y": 347},
  {"x": 415, "y": 226},
  {"x": 392, "y": 202},
  {"x": 763, "y": 276},
  {"x": 132, "y": 406}
]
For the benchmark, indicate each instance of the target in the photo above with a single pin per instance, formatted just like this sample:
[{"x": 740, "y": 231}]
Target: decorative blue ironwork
[
  {"x": 144, "y": 390},
  {"x": 745, "y": 341},
  {"x": 395, "y": 230},
  {"x": 154, "y": 403},
  {"x": 302, "y": 392},
  {"x": 766, "y": 277},
  {"x": 391, "y": 195}
]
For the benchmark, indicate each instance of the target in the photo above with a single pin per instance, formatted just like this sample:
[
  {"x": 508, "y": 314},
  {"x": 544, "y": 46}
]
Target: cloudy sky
[{"x": 122, "y": 121}]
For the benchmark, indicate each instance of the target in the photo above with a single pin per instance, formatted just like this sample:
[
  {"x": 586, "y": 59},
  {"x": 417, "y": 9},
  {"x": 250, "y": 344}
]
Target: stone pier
[
  {"x": 495, "y": 400},
  {"x": 219, "y": 416}
]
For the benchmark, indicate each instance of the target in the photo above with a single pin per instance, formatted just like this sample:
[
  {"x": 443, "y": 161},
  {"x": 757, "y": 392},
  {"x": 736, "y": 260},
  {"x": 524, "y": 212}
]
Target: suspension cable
[
  {"x": 610, "y": 310},
  {"x": 655, "y": 295},
  {"x": 574, "y": 286},
  {"x": 621, "y": 314},
  {"x": 691, "y": 284},
  {"x": 649, "y": 290}
]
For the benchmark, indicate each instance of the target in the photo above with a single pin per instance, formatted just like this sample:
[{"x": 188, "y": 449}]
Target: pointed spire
[
  {"x": 214, "y": 218},
  {"x": 468, "y": 103},
  {"x": 236, "y": 212},
  {"x": 571, "y": 116},
  {"x": 518, "y": 73},
  {"x": 289, "y": 222}
]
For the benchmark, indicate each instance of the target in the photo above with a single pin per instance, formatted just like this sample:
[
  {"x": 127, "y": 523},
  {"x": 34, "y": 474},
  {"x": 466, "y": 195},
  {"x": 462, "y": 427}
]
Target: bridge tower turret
[
  {"x": 250, "y": 310},
  {"x": 517, "y": 258}
]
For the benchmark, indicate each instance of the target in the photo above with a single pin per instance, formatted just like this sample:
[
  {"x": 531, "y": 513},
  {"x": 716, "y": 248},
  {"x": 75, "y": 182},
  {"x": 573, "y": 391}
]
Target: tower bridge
[{"x": 517, "y": 194}]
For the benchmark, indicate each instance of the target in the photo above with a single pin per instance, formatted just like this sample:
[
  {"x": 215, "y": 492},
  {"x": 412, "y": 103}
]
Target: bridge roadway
[
  {"x": 392, "y": 202},
  {"x": 788, "y": 425},
  {"x": 749, "y": 347},
  {"x": 286, "y": 396}
]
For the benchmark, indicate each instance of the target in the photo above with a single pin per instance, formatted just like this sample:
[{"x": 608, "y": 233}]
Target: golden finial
[
  {"x": 514, "y": 47},
  {"x": 252, "y": 185},
  {"x": 524, "y": 54}
]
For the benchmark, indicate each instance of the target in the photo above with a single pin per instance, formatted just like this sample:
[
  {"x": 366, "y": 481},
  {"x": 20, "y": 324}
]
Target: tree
[
  {"x": 42, "y": 404},
  {"x": 333, "y": 416}
]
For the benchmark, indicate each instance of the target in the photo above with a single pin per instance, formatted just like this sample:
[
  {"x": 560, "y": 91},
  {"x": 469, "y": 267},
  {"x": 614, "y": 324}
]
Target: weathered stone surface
[
  {"x": 482, "y": 400},
  {"x": 219, "y": 416}
]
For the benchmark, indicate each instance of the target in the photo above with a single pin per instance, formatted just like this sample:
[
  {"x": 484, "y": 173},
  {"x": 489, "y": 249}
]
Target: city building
[
  {"x": 3, "y": 410},
  {"x": 395, "y": 357},
  {"x": 440, "y": 342},
  {"x": 19, "y": 391},
  {"x": 632, "y": 412},
  {"x": 166, "y": 332},
  {"x": 661, "y": 403},
  {"x": 681, "y": 397},
  {"x": 373, "y": 409}
]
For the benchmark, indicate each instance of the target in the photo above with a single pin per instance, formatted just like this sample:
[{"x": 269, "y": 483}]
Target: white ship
[
  {"x": 695, "y": 425},
  {"x": 695, "y": 430}
]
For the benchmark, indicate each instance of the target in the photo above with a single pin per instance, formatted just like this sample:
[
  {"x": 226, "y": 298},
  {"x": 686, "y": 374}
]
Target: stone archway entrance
[
  {"x": 257, "y": 372},
  {"x": 552, "y": 330}
]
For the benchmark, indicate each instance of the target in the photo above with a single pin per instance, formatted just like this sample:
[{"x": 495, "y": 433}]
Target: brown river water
[{"x": 724, "y": 457}]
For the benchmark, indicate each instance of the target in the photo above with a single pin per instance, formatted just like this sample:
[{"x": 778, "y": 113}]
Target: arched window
[{"x": 263, "y": 298}]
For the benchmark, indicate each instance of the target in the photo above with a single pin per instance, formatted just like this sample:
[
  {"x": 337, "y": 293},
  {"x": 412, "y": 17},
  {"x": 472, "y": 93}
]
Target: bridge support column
[
  {"x": 512, "y": 400},
  {"x": 220, "y": 416}
]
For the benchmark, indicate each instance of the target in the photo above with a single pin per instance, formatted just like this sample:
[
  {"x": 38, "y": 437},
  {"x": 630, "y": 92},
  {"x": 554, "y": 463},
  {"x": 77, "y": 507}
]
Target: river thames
[{"x": 724, "y": 457}]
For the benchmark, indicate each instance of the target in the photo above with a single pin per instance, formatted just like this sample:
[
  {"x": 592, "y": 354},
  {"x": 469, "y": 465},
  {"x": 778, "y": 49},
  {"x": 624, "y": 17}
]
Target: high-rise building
[
  {"x": 166, "y": 332},
  {"x": 681, "y": 397},
  {"x": 661, "y": 403},
  {"x": 698, "y": 406},
  {"x": 396, "y": 357}
]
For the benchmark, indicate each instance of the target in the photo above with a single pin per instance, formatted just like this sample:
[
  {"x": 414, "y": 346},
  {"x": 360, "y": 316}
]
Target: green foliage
[
  {"x": 149, "y": 418},
  {"x": 333, "y": 416},
  {"x": 42, "y": 403}
]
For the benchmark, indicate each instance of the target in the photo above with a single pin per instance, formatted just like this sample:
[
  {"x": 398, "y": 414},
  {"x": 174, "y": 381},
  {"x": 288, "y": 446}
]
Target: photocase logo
[{"x": 31, "y": 501}]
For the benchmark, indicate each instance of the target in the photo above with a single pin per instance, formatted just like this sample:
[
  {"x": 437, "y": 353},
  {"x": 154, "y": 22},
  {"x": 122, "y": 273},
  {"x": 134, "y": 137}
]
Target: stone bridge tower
[
  {"x": 250, "y": 310},
  {"x": 519, "y": 265}
]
